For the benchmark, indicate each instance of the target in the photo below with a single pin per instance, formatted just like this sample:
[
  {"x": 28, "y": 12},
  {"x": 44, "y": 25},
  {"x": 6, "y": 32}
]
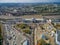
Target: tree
[
  {"x": 0, "y": 36},
  {"x": 42, "y": 42}
]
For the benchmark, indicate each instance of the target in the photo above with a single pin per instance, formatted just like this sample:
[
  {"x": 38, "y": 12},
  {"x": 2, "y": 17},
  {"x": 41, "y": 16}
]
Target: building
[
  {"x": 13, "y": 37},
  {"x": 34, "y": 20},
  {"x": 58, "y": 37},
  {"x": 25, "y": 42}
]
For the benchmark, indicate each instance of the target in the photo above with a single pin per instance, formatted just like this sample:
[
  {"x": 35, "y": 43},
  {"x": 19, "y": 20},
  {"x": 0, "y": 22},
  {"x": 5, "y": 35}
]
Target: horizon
[{"x": 29, "y": 1}]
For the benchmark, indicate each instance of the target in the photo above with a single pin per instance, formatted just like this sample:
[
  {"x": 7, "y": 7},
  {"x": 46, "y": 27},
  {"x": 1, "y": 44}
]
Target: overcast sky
[{"x": 27, "y": 1}]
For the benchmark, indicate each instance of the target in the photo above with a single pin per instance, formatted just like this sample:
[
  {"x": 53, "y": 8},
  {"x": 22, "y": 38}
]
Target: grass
[
  {"x": 24, "y": 27},
  {"x": 57, "y": 26},
  {"x": 27, "y": 31}
]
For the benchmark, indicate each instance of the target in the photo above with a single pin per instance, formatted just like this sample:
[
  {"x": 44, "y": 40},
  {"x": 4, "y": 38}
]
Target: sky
[{"x": 27, "y": 1}]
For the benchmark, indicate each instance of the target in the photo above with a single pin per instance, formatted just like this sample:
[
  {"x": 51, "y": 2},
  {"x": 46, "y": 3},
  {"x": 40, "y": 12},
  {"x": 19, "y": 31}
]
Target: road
[{"x": 13, "y": 36}]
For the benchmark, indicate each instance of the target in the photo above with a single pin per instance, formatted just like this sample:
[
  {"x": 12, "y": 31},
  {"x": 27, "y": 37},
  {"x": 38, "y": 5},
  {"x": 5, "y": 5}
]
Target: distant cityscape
[{"x": 18, "y": 9}]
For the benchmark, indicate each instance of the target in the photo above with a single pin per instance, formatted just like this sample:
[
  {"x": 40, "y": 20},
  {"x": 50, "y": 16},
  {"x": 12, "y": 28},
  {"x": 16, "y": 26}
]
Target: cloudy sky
[{"x": 27, "y": 1}]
